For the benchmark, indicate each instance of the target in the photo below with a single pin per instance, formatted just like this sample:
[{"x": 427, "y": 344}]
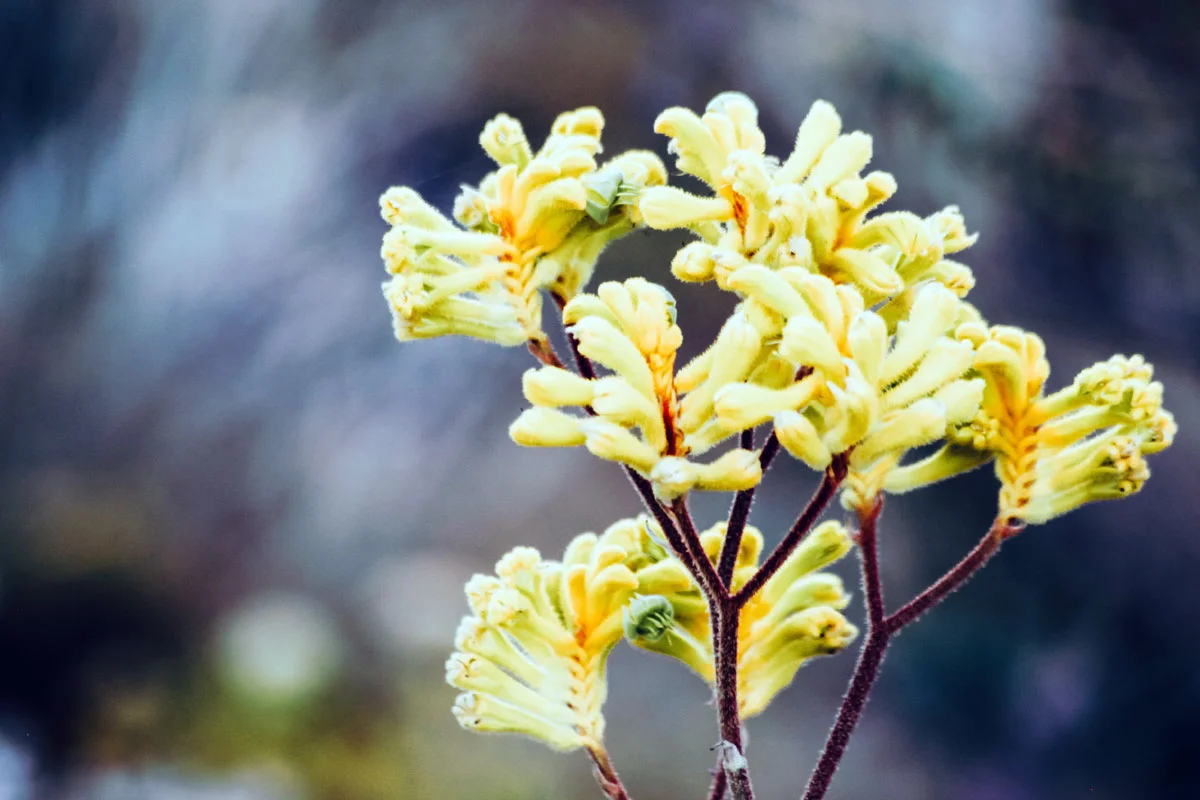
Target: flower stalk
[{"x": 881, "y": 628}]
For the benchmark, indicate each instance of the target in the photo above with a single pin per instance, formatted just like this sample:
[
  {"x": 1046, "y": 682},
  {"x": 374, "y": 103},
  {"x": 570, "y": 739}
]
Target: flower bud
[
  {"x": 665, "y": 207},
  {"x": 828, "y": 542},
  {"x": 600, "y": 341},
  {"x": 610, "y": 441},
  {"x": 734, "y": 471},
  {"x": 800, "y": 438},
  {"x": 504, "y": 140},
  {"x": 554, "y": 386},
  {"x": 546, "y": 427},
  {"x": 819, "y": 129},
  {"x": 693, "y": 143}
]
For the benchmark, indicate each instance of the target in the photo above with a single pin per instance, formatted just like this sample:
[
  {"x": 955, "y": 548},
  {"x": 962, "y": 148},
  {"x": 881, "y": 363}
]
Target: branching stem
[
  {"x": 834, "y": 475},
  {"x": 882, "y": 627}
]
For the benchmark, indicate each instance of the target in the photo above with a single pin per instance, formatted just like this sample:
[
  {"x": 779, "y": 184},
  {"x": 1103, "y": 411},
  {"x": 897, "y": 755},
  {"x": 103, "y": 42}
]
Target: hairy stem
[
  {"x": 739, "y": 514},
  {"x": 834, "y": 475},
  {"x": 869, "y": 660},
  {"x": 606, "y": 775},
  {"x": 881, "y": 628},
  {"x": 670, "y": 530},
  {"x": 543, "y": 351},
  {"x": 956, "y": 577},
  {"x": 725, "y": 651},
  {"x": 720, "y": 782},
  {"x": 706, "y": 573}
]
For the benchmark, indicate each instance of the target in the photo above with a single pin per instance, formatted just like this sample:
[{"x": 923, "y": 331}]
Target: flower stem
[
  {"x": 706, "y": 573},
  {"x": 725, "y": 651},
  {"x": 869, "y": 660},
  {"x": 881, "y": 628},
  {"x": 956, "y": 577},
  {"x": 739, "y": 514},
  {"x": 834, "y": 475},
  {"x": 606, "y": 775},
  {"x": 543, "y": 351},
  {"x": 720, "y": 782}
]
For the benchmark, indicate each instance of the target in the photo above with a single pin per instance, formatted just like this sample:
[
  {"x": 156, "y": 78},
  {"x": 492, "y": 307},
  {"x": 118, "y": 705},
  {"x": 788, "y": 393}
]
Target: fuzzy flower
[
  {"x": 531, "y": 657},
  {"x": 810, "y": 211},
  {"x": 838, "y": 381},
  {"x": 637, "y": 416},
  {"x": 539, "y": 221},
  {"x": 794, "y": 617},
  {"x": 1083, "y": 443}
]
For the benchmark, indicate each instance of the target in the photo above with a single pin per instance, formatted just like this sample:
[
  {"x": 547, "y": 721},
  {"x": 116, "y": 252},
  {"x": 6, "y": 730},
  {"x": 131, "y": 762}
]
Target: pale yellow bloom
[
  {"x": 861, "y": 389},
  {"x": 539, "y": 221},
  {"x": 810, "y": 212},
  {"x": 1083, "y": 443},
  {"x": 630, "y": 329},
  {"x": 531, "y": 657}
]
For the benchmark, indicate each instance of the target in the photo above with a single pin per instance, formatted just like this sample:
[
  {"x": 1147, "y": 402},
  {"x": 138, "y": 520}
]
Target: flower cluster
[
  {"x": 538, "y": 222},
  {"x": 804, "y": 350},
  {"x": 531, "y": 657},
  {"x": 793, "y": 618},
  {"x": 630, "y": 328},
  {"x": 851, "y": 338},
  {"x": 1053, "y": 452}
]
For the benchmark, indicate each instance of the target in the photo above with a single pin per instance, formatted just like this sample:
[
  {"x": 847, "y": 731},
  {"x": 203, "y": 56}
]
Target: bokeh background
[{"x": 236, "y": 515}]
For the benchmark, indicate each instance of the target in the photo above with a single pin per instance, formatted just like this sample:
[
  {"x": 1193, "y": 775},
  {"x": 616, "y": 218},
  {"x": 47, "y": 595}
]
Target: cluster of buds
[
  {"x": 538, "y": 222},
  {"x": 809, "y": 212},
  {"x": 630, "y": 329},
  {"x": 1055, "y": 452},
  {"x": 531, "y": 657},
  {"x": 796, "y": 616}
]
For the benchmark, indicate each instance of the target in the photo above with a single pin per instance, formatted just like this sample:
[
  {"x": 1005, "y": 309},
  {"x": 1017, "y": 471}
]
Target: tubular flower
[
  {"x": 1055, "y": 452},
  {"x": 630, "y": 329},
  {"x": 794, "y": 617},
  {"x": 531, "y": 657},
  {"x": 860, "y": 389},
  {"x": 809, "y": 211},
  {"x": 539, "y": 221}
]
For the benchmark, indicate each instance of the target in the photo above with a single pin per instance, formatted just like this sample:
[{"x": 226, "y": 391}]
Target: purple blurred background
[{"x": 236, "y": 515}]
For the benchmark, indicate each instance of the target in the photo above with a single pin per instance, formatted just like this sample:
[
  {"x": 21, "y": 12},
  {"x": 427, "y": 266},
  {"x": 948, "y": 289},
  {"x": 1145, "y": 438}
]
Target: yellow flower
[
  {"x": 1083, "y": 443},
  {"x": 539, "y": 221},
  {"x": 794, "y": 617},
  {"x": 809, "y": 212},
  {"x": 861, "y": 389},
  {"x": 531, "y": 657},
  {"x": 638, "y": 419}
]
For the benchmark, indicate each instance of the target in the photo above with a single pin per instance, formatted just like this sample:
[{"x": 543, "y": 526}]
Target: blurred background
[{"x": 236, "y": 515}]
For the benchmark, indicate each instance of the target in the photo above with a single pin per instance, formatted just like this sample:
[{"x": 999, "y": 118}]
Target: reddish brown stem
[
  {"x": 706, "y": 573},
  {"x": 882, "y": 627},
  {"x": 720, "y": 782},
  {"x": 606, "y": 775},
  {"x": 543, "y": 351},
  {"x": 869, "y": 660},
  {"x": 725, "y": 650},
  {"x": 834, "y": 475},
  {"x": 956, "y": 577},
  {"x": 739, "y": 514},
  {"x": 670, "y": 530}
]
